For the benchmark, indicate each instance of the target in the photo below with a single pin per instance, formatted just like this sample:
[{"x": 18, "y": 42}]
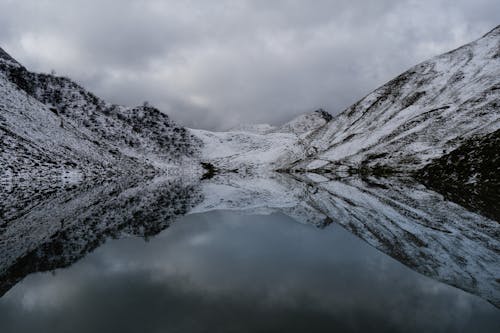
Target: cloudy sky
[{"x": 215, "y": 64}]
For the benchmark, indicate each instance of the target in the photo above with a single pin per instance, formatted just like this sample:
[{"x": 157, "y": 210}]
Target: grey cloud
[{"x": 217, "y": 64}]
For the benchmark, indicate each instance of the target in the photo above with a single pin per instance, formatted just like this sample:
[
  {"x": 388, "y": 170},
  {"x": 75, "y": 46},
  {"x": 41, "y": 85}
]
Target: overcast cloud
[{"x": 215, "y": 64}]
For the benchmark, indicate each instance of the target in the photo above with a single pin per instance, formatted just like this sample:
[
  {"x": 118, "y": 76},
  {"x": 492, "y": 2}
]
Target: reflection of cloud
[
  {"x": 214, "y": 65},
  {"x": 264, "y": 270},
  {"x": 200, "y": 240},
  {"x": 47, "y": 292}
]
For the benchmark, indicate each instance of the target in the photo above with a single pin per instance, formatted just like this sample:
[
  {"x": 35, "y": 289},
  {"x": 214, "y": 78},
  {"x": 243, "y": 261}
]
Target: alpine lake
[{"x": 279, "y": 253}]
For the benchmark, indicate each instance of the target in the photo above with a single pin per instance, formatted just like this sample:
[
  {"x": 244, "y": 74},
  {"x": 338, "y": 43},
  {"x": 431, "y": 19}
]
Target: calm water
[{"x": 223, "y": 271}]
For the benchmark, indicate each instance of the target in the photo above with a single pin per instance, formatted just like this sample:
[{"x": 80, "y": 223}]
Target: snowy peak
[
  {"x": 307, "y": 122},
  {"x": 261, "y": 147},
  {"x": 301, "y": 124},
  {"x": 495, "y": 32},
  {"x": 253, "y": 128},
  {"x": 6, "y": 58}
]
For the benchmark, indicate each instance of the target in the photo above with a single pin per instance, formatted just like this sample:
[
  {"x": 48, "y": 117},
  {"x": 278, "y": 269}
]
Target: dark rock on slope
[{"x": 469, "y": 175}]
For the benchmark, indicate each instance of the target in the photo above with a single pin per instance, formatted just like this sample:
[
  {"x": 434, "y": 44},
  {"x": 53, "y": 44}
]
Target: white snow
[
  {"x": 316, "y": 164},
  {"x": 248, "y": 150}
]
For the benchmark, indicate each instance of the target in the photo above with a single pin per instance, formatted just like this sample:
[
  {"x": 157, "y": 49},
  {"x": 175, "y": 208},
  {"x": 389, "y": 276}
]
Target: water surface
[{"x": 224, "y": 271}]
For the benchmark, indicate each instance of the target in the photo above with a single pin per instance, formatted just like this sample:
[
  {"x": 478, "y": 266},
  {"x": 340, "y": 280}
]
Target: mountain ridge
[
  {"x": 51, "y": 126},
  {"x": 440, "y": 95}
]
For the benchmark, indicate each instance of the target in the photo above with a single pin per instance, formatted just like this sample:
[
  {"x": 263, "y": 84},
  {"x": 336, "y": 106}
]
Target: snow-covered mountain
[
  {"x": 419, "y": 116},
  {"x": 411, "y": 121},
  {"x": 259, "y": 148},
  {"x": 52, "y": 127}
]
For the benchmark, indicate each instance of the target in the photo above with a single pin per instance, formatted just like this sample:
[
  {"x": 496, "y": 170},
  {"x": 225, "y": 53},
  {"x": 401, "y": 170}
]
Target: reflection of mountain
[
  {"x": 405, "y": 220},
  {"x": 415, "y": 226},
  {"x": 66, "y": 223}
]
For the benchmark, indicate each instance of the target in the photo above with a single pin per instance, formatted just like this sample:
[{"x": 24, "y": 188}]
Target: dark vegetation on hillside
[{"x": 469, "y": 175}]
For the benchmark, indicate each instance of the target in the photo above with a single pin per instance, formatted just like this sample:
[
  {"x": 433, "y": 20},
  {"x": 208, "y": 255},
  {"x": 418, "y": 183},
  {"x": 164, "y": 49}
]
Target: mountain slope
[
  {"x": 50, "y": 126},
  {"x": 418, "y": 116},
  {"x": 469, "y": 175}
]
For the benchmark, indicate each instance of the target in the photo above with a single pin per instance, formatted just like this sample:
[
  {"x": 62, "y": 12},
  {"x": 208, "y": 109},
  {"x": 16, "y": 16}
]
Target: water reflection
[
  {"x": 201, "y": 265},
  {"x": 397, "y": 216},
  {"x": 226, "y": 272},
  {"x": 60, "y": 228}
]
